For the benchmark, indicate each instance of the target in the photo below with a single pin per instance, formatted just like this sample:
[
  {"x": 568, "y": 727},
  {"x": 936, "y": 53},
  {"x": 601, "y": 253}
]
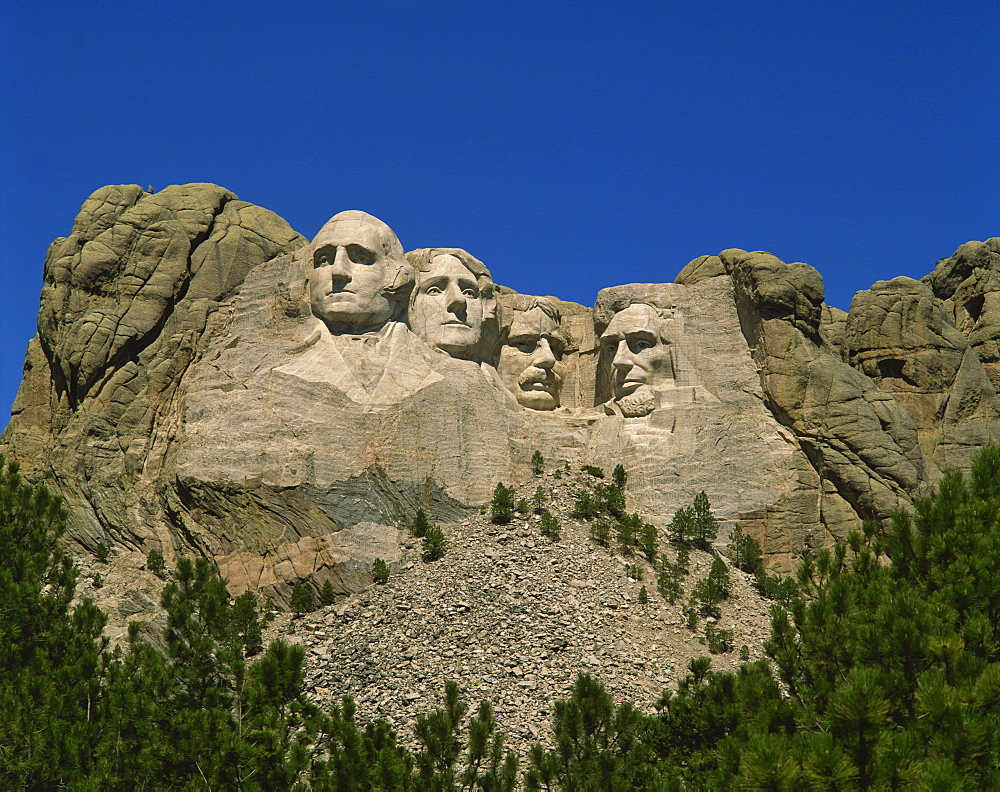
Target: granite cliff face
[{"x": 205, "y": 380}]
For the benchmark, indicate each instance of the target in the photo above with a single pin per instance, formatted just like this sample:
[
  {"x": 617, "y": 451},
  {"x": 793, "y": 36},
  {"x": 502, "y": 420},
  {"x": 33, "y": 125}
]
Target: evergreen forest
[{"x": 882, "y": 671}]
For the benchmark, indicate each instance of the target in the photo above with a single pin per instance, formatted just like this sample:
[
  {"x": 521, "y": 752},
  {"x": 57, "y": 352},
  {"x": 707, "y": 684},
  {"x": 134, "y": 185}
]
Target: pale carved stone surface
[
  {"x": 360, "y": 278},
  {"x": 530, "y": 360},
  {"x": 206, "y": 381},
  {"x": 453, "y": 307}
]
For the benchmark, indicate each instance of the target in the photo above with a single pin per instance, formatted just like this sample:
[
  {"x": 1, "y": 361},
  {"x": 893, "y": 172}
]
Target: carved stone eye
[{"x": 360, "y": 255}]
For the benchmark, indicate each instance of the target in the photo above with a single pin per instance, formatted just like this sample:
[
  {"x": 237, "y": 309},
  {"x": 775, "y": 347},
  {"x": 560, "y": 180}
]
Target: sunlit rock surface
[{"x": 206, "y": 380}]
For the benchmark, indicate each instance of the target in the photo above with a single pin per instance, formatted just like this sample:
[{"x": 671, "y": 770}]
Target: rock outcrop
[
  {"x": 124, "y": 307},
  {"x": 205, "y": 380}
]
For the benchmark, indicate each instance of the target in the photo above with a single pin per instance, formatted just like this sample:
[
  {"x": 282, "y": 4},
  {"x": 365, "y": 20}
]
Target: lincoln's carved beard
[{"x": 638, "y": 403}]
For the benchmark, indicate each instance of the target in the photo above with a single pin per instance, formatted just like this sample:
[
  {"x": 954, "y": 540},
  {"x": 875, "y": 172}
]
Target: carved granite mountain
[{"x": 205, "y": 380}]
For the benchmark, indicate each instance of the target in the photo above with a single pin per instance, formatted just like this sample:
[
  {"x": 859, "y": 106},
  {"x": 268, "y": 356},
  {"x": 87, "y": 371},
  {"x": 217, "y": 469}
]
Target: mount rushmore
[{"x": 205, "y": 380}]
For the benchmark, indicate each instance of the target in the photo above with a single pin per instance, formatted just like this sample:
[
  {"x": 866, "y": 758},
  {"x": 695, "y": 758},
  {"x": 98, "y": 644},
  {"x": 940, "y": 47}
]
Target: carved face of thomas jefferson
[
  {"x": 447, "y": 310},
  {"x": 358, "y": 270},
  {"x": 530, "y": 359}
]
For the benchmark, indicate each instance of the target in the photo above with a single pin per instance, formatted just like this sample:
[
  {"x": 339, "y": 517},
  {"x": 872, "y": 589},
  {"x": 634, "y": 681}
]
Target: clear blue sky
[{"x": 569, "y": 145}]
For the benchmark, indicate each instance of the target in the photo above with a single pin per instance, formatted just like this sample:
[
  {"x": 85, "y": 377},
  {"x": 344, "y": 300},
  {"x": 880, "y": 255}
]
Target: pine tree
[
  {"x": 438, "y": 733},
  {"x": 420, "y": 524},
  {"x": 744, "y": 550},
  {"x": 502, "y": 505},
  {"x": 487, "y": 766},
  {"x": 683, "y": 560},
  {"x": 648, "y": 541},
  {"x": 156, "y": 563},
  {"x": 327, "y": 596},
  {"x": 619, "y": 477},
  {"x": 600, "y": 532},
  {"x": 597, "y": 745},
  {"x": 682, "y": 526},
  {"x": 435, "y": 544},
  {"x": 537, "y": 463},
  {"x": 549, "y": 526},
  {"x": 705, "y": 528},
  {"x": 246, "y": 623},
  {"x": 380, "y": 571},
  {"x": 51, "y": 651},
  {"x": 719, "y": 583},
  {"x": 539, "y": 499},
  {"x": 302, "y": 598}
]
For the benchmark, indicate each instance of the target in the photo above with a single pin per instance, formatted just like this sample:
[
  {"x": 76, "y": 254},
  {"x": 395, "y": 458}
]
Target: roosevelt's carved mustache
[{"x": 539, "y": 376}]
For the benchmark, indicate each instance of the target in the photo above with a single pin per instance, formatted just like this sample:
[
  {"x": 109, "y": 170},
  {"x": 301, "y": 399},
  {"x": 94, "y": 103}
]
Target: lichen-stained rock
[
  {"x": 832, "y": 324},
  {"x": 860, "y": 442},
  {"x": 969, "y": 284},
  {"x": 901, "y": 336},
  {"x": 125, "y": 301}
]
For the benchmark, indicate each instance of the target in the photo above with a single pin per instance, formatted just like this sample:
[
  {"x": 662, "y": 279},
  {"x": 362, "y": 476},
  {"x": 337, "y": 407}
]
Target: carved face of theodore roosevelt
[
  {"x": 359, "y": 276},
  {"x": 530, "y": 359}
]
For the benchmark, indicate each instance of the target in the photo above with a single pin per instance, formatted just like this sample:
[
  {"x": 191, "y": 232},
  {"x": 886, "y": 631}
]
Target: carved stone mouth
[{"x": 628, "y": 386}]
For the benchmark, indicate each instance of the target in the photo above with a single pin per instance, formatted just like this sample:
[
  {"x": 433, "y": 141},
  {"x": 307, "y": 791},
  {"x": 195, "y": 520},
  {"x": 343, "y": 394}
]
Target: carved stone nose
[
  {"x": 341, "y": 266},
  {"x": 544, "y": 358},
  {"x": 456, "y": 301},
  {"x": 622, "y": 357}
]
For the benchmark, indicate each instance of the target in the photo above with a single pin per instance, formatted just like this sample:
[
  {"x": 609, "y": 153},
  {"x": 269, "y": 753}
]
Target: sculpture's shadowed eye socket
[
  {"x": 524, "y": 344},
  {"x": 638, "y": 344},
  {"x": 322, "y": 259},
  {"x": 360, "y": 255}
]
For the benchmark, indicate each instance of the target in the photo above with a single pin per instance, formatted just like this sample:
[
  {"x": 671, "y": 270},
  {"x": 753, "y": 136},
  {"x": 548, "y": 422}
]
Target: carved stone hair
[
  {"x": 604, "y": 313},
  {"x": 511, "y": 304}
]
